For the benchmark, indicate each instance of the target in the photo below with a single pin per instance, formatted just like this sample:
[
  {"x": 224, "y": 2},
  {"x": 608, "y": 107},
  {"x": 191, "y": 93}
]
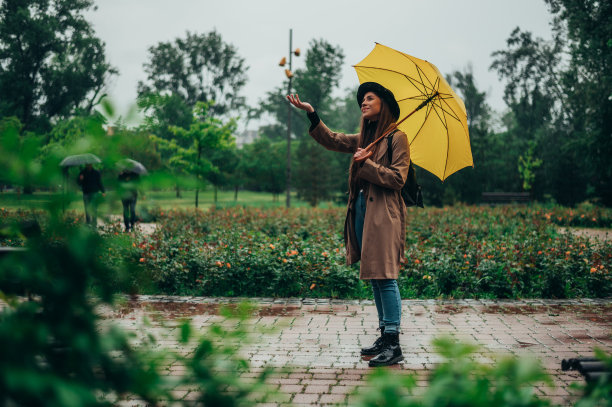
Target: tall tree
[
  {"x": 537, "y": 100},
  {"x": 263, "y": 165},
  {"x": 585, "y": 26},
  {"x": 197, "y": 68},
  {"x": 205, "y": 135},
  {"x": 51, "y": 63}
]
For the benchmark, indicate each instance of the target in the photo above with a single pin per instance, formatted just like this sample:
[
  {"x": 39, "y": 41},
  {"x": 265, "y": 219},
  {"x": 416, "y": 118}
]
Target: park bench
[{"x": 496, "y": 198}]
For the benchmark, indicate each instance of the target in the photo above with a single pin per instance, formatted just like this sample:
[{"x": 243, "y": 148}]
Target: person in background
[
  {"x": 90, "y": 181},
  {"x": 375, "y": 226},
  {"x": 128, "y": 181}
]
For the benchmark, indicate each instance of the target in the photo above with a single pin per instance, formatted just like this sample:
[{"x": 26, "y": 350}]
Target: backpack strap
[{"x": 390, "y": 147}]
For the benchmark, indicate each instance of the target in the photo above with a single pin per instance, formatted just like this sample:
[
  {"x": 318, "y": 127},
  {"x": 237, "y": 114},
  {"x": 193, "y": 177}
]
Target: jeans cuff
[{"x": 391, "y": 329}]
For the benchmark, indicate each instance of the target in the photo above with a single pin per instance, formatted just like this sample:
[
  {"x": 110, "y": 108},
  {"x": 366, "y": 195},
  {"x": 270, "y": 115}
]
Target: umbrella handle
[{"x": 370, "y": 148}]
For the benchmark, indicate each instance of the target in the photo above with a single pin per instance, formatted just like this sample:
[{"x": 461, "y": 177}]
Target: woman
[{"x": 374, "y": 230}]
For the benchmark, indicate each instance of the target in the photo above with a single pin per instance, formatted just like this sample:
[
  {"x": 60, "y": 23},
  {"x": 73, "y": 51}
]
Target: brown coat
[{"x": 384, "y": 230}]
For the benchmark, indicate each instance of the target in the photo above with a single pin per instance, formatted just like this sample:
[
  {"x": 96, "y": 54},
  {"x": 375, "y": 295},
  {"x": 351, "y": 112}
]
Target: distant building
[{"x": 246, "y": 137}]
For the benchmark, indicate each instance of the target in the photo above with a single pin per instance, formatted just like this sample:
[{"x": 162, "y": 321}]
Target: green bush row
[
  {"x": 451, "y": 252},
  {"x": 456, "y": 252}
]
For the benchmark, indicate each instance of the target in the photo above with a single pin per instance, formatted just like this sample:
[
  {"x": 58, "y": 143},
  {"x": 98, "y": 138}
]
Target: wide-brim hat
[{"x": 383, "y": 93}]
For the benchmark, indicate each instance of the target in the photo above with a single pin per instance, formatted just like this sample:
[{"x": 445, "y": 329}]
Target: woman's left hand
[{"x": 362, "y": 154}]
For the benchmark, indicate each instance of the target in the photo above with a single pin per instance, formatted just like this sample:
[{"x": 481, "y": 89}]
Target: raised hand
[{"x": 295, "y": 101}]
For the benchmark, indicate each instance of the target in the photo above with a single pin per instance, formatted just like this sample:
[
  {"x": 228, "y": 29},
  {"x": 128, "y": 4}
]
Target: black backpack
[{"x": 411, "y": 191}]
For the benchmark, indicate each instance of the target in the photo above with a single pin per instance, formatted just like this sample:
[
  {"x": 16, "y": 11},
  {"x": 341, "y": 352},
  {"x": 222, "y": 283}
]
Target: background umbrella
[
  {"x": 79, "y": 159},
  {"x": 131, "y": 165},
  {"x": 431, "y": 114}
]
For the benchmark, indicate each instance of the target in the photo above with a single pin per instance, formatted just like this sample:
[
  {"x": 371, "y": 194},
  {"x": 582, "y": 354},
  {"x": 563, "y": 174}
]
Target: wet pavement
[{"x": 319, "y": 340}]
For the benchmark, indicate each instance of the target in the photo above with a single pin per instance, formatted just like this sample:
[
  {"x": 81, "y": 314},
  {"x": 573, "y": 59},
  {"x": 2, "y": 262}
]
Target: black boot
[
  {"x": 391, "y": 352},
  {"x": 377, "y": 347}
]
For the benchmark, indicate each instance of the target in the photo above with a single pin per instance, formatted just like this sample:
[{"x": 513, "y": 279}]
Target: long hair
[{"x": 370, "y": 131}]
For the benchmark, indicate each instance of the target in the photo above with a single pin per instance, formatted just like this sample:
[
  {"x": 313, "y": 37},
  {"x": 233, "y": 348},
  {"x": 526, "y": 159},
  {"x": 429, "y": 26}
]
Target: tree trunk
[
  {"x": 178, "y": 191},
  {"x": 216, "y": 193},
  {"x": 236, "y": 193}
]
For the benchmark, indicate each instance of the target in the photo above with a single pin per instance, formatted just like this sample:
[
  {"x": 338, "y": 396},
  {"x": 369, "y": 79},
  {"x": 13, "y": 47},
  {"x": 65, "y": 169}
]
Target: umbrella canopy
[
  {"x": 80, "y": 159},
  {"x": 134, "y": 166},
  {"x": 431, "y": 114}
]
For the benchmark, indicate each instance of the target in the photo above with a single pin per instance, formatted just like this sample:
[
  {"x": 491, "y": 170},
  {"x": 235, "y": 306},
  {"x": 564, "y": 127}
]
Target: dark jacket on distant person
[
  {"x": 129, "y": 182},
  {"x": 91, "y": 182}
]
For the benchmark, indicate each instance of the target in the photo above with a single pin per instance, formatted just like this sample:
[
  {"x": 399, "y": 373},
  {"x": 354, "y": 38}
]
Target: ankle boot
[
  {"x": 377, "y": 347},
  {"x": 391, "y": 352}
]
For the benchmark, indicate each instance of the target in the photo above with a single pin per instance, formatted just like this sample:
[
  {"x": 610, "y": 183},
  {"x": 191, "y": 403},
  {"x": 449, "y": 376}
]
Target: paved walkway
[{"x": 320, "y": 339}]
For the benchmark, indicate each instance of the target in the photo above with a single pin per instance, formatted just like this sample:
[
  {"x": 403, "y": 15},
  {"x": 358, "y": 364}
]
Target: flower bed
[
  {"x": 458, "y": 252},
  {"x": 452, "y": 252}
]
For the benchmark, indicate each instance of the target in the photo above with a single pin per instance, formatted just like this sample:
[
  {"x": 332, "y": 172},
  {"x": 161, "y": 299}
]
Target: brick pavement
[{"x": 320, "y": 339}]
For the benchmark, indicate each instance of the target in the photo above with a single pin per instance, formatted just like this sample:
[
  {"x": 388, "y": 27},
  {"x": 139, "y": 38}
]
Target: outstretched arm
[{"x": 295, "y": 101}]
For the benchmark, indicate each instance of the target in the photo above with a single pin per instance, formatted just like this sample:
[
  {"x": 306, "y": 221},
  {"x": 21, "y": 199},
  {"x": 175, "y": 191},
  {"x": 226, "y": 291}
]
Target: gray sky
[{"x": 449, "y": 33}]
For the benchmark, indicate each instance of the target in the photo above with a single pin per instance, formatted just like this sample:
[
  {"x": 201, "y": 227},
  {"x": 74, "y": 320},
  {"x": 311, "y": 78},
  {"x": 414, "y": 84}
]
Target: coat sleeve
[
  {"x": 393, "y": 176},
  {"x": 343, "y": 143}
]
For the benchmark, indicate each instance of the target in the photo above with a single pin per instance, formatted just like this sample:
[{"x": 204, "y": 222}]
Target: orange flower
[
  {"x": 465, "y": 255},
  {"x": 271, "y": 246},
  {"x": 142, "y": 260},
  {"x": 284, "y": 260},
  {"x": 325, "y": 254},
  {"x": 417, "y": 261},
  {"x": 229, "y": 266},
  {"x": 593, "y": 270},
  {"x": 539, "y": 251},
  {"x": 218, "y": 263},
  {"x": 312, "y": 286}
]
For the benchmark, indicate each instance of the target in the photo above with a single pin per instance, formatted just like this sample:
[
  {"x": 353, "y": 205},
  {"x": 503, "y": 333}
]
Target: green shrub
[{"x": 460, "y": 381}]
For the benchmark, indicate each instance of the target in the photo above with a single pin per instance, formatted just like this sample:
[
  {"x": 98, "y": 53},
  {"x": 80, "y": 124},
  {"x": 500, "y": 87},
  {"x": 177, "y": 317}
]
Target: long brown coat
[{"x": 384, "y": 231}]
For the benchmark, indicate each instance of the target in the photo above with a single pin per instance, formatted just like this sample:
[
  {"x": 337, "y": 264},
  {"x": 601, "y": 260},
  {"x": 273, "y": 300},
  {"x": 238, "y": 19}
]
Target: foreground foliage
[
  {"x": 55, "y": 350},
  {"x": 461, "y": 381}
]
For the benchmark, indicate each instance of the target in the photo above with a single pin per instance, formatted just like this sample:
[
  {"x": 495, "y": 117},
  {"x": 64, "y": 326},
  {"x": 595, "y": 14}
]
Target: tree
[
  {"x": 197, "y": 68},
  {"x": 585, "y": 27},
  {"x": 51, "y": 63},
  {"x": 263, "y": 165},
  {"x": 535, "y": 96},
  {"x": 205, "y": 135},
  {"x": 225, "y": 162}
]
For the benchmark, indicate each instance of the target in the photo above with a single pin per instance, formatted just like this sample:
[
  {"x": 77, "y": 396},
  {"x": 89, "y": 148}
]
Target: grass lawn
[{"x": 165, "y": 199}]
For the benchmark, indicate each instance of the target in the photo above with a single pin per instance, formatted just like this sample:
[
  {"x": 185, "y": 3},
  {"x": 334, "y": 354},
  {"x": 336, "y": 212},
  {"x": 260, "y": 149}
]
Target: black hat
[{"x": 382, "y": 92}]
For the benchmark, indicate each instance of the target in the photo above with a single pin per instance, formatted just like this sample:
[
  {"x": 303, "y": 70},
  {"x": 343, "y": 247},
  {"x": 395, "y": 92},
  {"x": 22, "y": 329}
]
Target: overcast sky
[{"x": 449, "y": 33}]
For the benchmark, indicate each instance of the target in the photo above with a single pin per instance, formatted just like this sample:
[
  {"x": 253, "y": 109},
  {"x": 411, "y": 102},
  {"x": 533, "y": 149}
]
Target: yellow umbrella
[{"x": 431, "y": 114}]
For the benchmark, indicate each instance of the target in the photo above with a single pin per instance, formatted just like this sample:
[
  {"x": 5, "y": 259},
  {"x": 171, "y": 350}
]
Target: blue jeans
[
  {"x": 360, "y": 208},
  {"x": 388, "y": 304},
  {"x": 386, "y": 292}
]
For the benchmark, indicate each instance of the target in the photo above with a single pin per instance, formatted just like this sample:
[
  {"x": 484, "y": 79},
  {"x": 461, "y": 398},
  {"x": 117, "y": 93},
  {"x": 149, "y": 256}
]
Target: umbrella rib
[
  {"x": 445, "y": 124},
  {"x": 418, "y": 133}
]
